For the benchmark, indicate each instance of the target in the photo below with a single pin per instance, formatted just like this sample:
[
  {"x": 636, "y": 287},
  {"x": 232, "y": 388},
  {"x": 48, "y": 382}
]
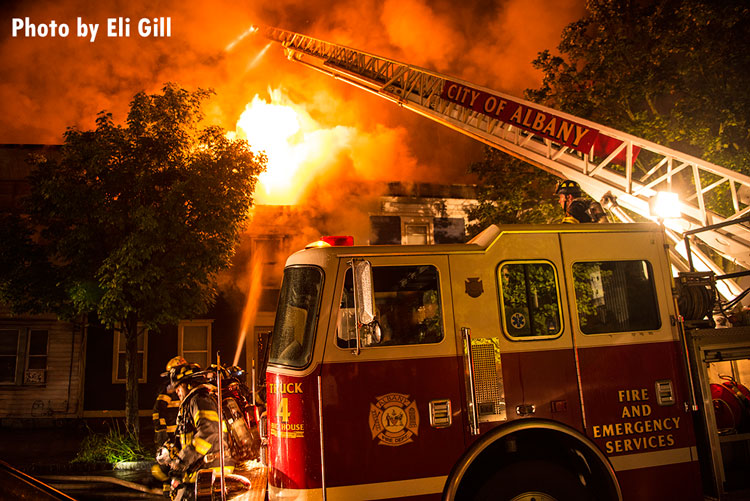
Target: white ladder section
[{"x": 601, "y": 159}]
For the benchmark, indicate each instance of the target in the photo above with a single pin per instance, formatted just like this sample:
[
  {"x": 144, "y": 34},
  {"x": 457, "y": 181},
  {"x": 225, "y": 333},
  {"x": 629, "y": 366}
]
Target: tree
[
  {"x": 132, "y": 222},
  {"x": 511, "y": 191},
  {"x": 673, "y": 72}
]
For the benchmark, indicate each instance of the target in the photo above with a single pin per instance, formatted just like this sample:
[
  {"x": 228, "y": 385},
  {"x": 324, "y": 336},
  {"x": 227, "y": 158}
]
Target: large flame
[{"x": 297, "y": 146}]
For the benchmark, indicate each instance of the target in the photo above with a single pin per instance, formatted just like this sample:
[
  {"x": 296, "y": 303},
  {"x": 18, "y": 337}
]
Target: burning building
[{"x": 52, "y": 370}]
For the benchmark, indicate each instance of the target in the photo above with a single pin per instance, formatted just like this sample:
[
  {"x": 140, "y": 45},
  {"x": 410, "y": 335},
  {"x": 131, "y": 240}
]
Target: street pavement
[{"x": 46, "y": 453}]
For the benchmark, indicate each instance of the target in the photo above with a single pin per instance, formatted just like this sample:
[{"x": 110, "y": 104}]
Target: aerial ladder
[{"x": 621, "y": 170}]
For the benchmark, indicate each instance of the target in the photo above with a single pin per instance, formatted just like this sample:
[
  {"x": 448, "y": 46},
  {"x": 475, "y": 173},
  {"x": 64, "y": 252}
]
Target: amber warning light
[{"x": 332, "y": 241}]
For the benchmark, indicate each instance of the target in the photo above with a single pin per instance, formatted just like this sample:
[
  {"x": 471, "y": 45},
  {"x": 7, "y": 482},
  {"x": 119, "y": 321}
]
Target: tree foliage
[
  {"x": 511, "y": 191},
  {"x": 674, "y": 72},
  {"x": 132, "y": 222}
]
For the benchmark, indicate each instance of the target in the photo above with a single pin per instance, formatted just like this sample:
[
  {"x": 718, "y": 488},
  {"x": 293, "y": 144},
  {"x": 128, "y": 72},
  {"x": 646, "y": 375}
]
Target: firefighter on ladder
[
  {"x": 198, "y": 432},
  {"x": 578, "y": 209}
]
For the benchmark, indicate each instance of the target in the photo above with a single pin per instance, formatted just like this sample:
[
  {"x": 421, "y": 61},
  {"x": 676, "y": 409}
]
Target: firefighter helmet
[
  {"x": 174, "y": 362},
  {"x": 182, "y": 373},
  {"x": 568, "y": 187}
]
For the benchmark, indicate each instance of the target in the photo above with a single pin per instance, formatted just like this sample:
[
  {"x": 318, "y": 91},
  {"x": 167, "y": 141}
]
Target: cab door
[
  {"x": 391, "y": 421},
  {"x": 511, "y": 297},
  {"x": 633, "y": 383}
]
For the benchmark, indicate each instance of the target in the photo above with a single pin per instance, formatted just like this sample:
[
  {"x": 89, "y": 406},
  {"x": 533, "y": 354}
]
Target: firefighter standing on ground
[
  {"x": 578, "y": 209},
  {"x": 198, "y": 432},
  {"x": 165, "y": 420},
  {"x": 166, "y": 406}
]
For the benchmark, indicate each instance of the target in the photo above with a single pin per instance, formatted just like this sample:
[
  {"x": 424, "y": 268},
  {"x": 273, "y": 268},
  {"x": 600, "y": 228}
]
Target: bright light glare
[
  {"x": 664, "y": 205},
  {"x": 270, "y": 127}
]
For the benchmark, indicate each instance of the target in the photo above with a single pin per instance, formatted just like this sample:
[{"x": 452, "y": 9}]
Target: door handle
[{"x": 525, "y": 409}]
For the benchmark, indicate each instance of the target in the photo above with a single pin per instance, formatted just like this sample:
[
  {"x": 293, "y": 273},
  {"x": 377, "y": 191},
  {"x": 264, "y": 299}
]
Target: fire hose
[{"x": 112, "y": 480}]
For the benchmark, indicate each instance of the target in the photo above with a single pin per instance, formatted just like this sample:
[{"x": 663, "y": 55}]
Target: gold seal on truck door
[{"x": 394, "y": 419}]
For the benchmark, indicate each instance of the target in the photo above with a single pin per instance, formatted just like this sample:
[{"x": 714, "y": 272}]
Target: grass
[{"x": 111, "y": 447}]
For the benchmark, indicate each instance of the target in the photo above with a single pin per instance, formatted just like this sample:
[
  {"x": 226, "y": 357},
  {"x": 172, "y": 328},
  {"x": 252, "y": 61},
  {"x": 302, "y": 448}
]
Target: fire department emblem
[
  {"x": 474, "y": 287},
  {"x": 394, "y": 419}
]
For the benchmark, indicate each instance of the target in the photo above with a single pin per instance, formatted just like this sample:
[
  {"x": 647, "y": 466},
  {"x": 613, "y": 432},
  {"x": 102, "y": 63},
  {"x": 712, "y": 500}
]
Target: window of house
[
  {"x": 270, "y": 254},
  {"x": 385, "y": 230},
  {"x": 530, "y": 300},
  {"x": 449, "y": 230},
  {"x": 36, "y": 357},
  {"x": 615, "y": 296},
  {"x": 120, "y": 375},
  {"x": 416, "y": 234},
  {"x": 408, "y": 307},
  {"x": 195, "y": 341},
  {"x": 8, "y": 354}
]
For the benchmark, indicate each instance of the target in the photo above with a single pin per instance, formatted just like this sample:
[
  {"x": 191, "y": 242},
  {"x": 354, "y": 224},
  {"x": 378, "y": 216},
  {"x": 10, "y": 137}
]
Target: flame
[{"x": 297, "y": 146}]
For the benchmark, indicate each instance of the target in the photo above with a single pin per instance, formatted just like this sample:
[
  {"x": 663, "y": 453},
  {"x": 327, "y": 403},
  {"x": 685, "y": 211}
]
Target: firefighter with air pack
[
  {"x": 198, "y": 432},
  {"x": 165, "y": 420},
  {"x": 578, "y": 209}
]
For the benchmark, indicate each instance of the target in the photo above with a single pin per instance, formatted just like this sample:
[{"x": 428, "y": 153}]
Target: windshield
[{"x": 294, "y": 328}]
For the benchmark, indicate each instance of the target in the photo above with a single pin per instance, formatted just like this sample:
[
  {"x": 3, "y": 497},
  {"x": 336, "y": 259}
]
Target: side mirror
[
  {"x": 364, "y": 298},
  {"x": 373, "y": 334}
]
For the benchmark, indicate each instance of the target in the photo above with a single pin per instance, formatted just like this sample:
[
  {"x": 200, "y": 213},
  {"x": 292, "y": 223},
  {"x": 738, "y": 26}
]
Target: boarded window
[
  {"x": 615, "y": 296},
  {"x": 530, "y": 300}
]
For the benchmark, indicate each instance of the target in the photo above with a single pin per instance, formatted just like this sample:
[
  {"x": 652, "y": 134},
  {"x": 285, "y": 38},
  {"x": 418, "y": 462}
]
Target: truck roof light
[
  {"x": 332, "y": 241},
  {"x": 338, "y": 240}
]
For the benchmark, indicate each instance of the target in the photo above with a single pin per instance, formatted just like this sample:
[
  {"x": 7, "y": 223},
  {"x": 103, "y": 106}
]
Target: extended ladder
[{"x": 601, "y": 159}]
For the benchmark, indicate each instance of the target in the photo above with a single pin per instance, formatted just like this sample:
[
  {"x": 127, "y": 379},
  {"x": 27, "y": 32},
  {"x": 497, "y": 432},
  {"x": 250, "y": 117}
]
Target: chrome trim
[
  {"x": 686, "y": 361},
  {"x": 441, "y": 413},
  {"x": 664, "y": 392},
  {"x": 474, "y": 416},
  {"x": 525, "y": 409},
  {"x": 358, "y": 348},
  {"x": 322, "y": 457}
]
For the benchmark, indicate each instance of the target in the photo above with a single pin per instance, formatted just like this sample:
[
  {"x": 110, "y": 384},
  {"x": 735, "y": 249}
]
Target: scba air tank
[{"x": 239, "y": 429}]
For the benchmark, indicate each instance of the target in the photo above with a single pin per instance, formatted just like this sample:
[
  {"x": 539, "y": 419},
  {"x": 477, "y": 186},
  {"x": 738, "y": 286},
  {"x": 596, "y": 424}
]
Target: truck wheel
[{"x": 533, "y": 481}]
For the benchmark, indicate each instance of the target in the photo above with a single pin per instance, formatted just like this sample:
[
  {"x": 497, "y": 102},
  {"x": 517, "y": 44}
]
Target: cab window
[
  {"x": 408, "y": 307},
  {"x": 296, "y": 317},
  {"x": 530, "y": 300},
  {"x": 615, "y": 296}
]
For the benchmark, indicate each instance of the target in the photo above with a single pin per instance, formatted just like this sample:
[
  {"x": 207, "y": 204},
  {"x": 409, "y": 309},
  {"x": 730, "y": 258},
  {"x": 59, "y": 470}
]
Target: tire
[{"x": 533, "y": 481}]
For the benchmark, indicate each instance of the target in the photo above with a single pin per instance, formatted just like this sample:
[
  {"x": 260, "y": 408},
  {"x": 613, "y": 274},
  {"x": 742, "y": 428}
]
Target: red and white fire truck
[
  {"x": 533, "y": 362},
  {"x": 530, "y": 363}
]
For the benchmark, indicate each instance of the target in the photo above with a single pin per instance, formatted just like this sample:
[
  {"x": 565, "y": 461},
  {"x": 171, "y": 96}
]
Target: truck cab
[{"x": 531, "y": 359}]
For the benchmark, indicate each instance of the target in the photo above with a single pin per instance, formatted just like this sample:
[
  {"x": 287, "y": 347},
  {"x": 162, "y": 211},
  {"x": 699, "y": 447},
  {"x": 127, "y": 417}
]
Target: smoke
[{"x": 49, "y": 84}]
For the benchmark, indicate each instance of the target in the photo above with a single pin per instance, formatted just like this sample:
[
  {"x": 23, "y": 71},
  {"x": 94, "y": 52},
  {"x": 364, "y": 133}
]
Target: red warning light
[{"x": 338, "y": 240}]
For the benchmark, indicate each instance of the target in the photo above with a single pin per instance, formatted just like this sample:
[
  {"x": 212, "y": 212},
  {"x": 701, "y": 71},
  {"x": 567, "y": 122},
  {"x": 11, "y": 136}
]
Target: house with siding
[{"x": 52, "y": 370}]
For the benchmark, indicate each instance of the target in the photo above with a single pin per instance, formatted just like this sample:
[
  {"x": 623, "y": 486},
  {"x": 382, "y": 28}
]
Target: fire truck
[{"x": 558, "y": 362}]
